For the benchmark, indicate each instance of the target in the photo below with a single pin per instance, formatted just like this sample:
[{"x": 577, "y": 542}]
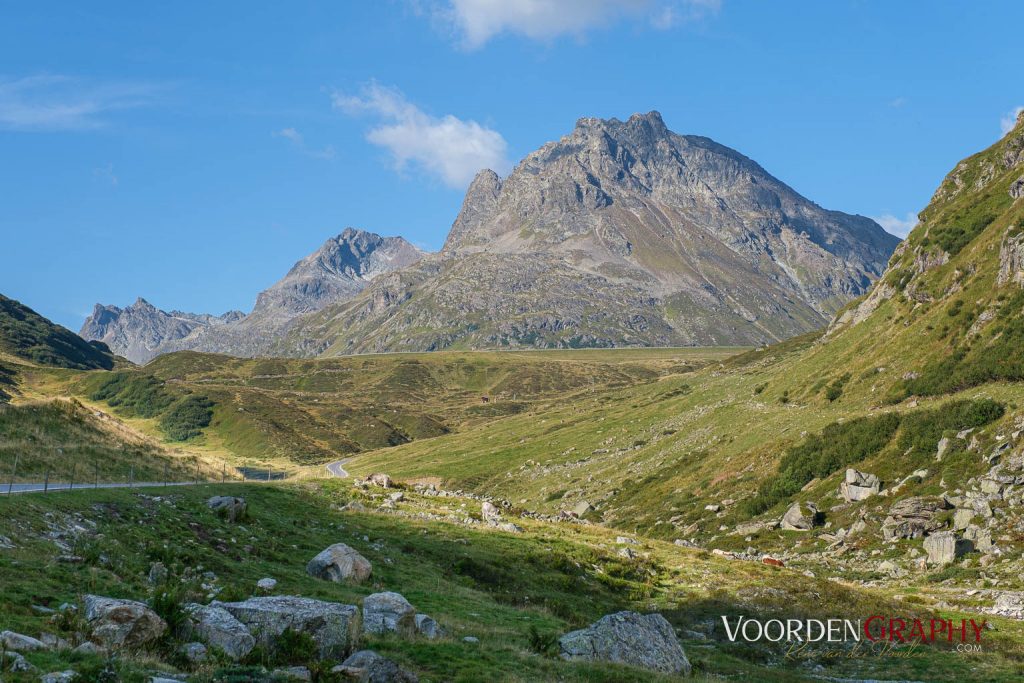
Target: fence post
[
  {"x": 46, "y": 481},
  {"x": 223, "y": 472},
  {"x": 167, "y": 466},
  {"x": 71, "y": 487},
  {"x": 131, "y": 476},
  {"x": 97, "y": 464},
  {"x": 14, "y": 474},
  {"x": 197, "y": 470}
]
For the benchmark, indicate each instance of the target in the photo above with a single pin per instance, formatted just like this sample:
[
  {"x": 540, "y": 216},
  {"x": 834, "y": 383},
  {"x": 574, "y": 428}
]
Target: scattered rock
[
  {"x": 388, "y": 612},
  {"x": 801, "y": 517},
  {"x": 89, "y": 648},
  {"x": 17, "y": 663},
  {"x": 366, "y": 666},
  {"x": 339, "y": 563},
  {"x": 194, "y": 653},
  {"x": 231, "y": 507},
  {"x": 944, "y": 547},
  {"x": 859, "y": 485},
  {"x": 20, "y": 643},
  {"x": 157, "y": 574},
  {"x": 116, "y": 623},
  {"x": 294, "y": 673},
  {"x": 59, "y": 677},
  {"x": 913, "y": 517},
  {"x": 582, "y": 508},
  {"x": 333, "y": 626},
  {"x": 646, "y": 641},
  {"x": 220, "y": 629},
  {"x": 471, "y": 640},
  {"x": 266, "y": 584},
  {"x": 428, "y": 628}
]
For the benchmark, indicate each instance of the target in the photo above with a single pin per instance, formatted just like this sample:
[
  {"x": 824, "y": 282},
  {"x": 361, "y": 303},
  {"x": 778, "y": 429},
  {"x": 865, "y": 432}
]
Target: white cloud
[
  {"x": 477, "y": 21},
  {"x": 448, "y": 147},
  {"x": 53, "y": 102},
  {"x": 896, "y": 226},
  {"x": 105, "y": 174},
  {"x": 297, "y": 139},
  {"x": 1008, "y": 122}
]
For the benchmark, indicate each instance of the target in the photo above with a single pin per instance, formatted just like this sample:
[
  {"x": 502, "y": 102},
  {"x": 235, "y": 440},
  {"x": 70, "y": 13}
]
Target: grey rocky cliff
[
  {"x": 338, "y": 270},
  {"x": 619, "y": 234}
]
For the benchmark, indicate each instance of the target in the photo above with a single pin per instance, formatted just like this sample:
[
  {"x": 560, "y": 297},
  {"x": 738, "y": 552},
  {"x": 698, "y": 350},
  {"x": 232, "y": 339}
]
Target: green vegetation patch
[
  {"x": 26, "y": 334},
  {"x": 187, "y": 418}
]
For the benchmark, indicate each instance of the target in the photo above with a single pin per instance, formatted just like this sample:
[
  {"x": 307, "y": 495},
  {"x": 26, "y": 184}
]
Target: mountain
[
  {"x": 29, "y": 336},
  {"x": 139, "y": 330},
  {"x": 338, "y": 270},
  {"x": 622, "y": 233}
]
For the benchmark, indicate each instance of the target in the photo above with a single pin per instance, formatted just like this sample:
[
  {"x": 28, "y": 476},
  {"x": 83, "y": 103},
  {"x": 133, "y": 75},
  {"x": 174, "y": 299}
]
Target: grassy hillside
[
  {"x": 27, "y": 335},
  {"x": 513, "y": 591},
  {"x": 309, "y": 412}
]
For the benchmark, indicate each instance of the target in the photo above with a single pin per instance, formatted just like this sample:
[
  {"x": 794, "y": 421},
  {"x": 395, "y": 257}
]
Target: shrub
[
  {"x": 541, "y": 643},
  {"x": 187, "y": 418},
  {"x": 134, "y": 394},
  {"x": 835, "y": 389}
]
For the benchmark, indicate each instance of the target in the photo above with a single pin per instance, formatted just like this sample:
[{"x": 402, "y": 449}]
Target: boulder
[
  {"x": 9, "y": 640},
  {"x": 339, "y": 563},
  {"x": 294, "y": 673},
  {"x": 366, "y": 666},
  {"x": 428, "y": 628},
  {"x": 582, "y": 508},
  {"x": 981, "y": 538},
  {"x": 232, "y": 508},
  {"x": 220, "y": 629},
  {"x": 943, "y": 447},
  {"x": 115, "y": 623},
  {"x": 157, "y": 573},
  {"x": 16, "y": 663},
  {"x": 333, "y": 626},
  {"x": 380, "y": 479},
  {"x": 644, "y": 640},
  {"x": 913, "y": 517},
  {"x": 801, "y": 517},
  {"x": 194, "y": 653},
  {"x": 59, "y": 677},
  {"x": 859, "y": 485},
  {"x": 388, "y": 613},
  {"x": 266, "y": 584},
  {"x": 962, "y": 518},
  {"x": 944, "y": 547}
]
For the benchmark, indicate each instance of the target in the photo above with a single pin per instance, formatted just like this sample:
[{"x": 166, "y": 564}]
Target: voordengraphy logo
[{"x": 876, "y": 628}]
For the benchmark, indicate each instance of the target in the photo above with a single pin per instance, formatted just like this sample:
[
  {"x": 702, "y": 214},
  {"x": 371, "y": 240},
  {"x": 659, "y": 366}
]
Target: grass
[
  {"x": 512, "y": 591},
  {"x": 29, "y": 336}
]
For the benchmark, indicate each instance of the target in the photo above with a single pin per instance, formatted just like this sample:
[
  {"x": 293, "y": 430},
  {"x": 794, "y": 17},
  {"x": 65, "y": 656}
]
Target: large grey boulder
[
  {"x": 388, "y": 613},
  {"x": 231, "y": 507},
  {"x": 366, "y": 666},
  {"x": 115, "y": 623},
  {"x": 944, "y": 547},
  {"x": 801, "y": 517},
  {"x": 333, "y": 626},
  {"x": 9, "y": 640},
  {"x": 644, "y": 640},
  {"x": 428, "y": 628},
  {"x": 859, "y": 485},
  {"x": 913, "y": 517},
  {"x": 339, "y": 563},
  {"x": 220, "y": 629}
]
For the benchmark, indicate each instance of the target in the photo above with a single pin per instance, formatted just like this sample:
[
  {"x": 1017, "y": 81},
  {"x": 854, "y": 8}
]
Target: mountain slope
[
  {"x": 27, "y": 335},
  {"x": 336, "y": 271},
  {"x": 619, "y": 234}
]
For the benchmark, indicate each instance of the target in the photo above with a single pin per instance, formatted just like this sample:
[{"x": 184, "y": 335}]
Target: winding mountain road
[{"x": 335, "y": 468}]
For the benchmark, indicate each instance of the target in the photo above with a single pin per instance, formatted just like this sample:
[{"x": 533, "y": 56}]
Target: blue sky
[{"x": 190, "y": 152}]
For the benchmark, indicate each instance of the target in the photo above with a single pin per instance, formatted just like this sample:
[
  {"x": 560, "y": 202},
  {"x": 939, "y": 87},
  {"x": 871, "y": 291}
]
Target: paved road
[
  {"x": 66, "y": 486},
  {"x": 335, "y": 468}
]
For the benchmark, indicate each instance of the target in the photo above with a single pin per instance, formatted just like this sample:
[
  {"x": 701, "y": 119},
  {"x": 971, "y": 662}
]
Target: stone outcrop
[
  {"x": 801, "y": 517},
  {"x": 339, "y": 563},
  {"x": 913, "y": 517},
  {"x": 218, "y": 628},
  {"x": 944, "y": 547},
  {"x": 334, "y": 627},
  {"x": 643, "y": 640},
  {"x": 859, "y": 485},
  {"x": 388, "y": 613},
  {"x": 1011, "y": 259},
  {"x": 366, "y": 666},
  {"x": 115, "y": 623}
]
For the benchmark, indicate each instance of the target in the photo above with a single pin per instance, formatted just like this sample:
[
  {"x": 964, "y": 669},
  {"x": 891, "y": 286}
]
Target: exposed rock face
[
  {"x": 16, "y": 642},
  {"x": 218, "y": 628},
  {"x": 1011, "y": 259},
  {"x": 621, "y": 233},
  {"x": 644, "y": 640},
  {"x": 336, "y": 271},
  {"x": 339, "y": 563},
  {"x": 859, "y": 485},
  {"x": 801, "y": 517},
  {"x": 139, "y": 331},
  {"x": 334, "y": 627},
  {"x": 115, "y": 623}
]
